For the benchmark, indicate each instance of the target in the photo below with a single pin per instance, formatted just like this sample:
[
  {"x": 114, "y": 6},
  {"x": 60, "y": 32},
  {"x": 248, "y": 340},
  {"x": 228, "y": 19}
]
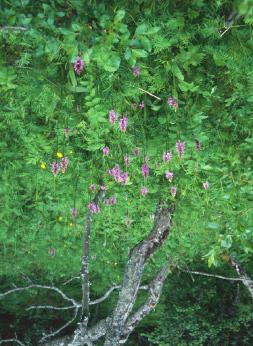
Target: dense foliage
[{"x": 50, "y": 110}]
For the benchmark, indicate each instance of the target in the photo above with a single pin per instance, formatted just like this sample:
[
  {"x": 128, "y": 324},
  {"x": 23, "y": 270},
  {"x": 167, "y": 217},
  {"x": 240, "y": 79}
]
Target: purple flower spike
[
  {"x": 142, "y": 104},
  {"x": 123, "y": 178},
  {"x": 127, "y": 160},
  {"x": 103, "y": 187},
  {"x": 172, "y": 102},
  {"x": 180, "y": 149},
  {"x": 136, "y": 71},
  {"x": 136, "y": 151},
  {"x": 197, "y": 145},
  {"x": 106, "y": 151},
  {"x": 55, "y": 168},
  {"x": 167, "y": 156},
  {"x": 206, "y": 185},
  {"x": 145, "y": 170},
  {"x": 144, "y": 191},
  {"x": 78, "y": 65},
  {"x": 173, "y": 191},
  {"x": 93, "y": 208},
  {"x": 74, "y": 212},
  {"x": 66, "y": 132},
  {"x": 64, "y": 164},
  {"x": 112, "y": 117},
  {"x": 112, "y": 200},
  {"x": 123, "y": 124},
  {"x": 93, "y": 187},
  {"x": 169, "y": 176}
]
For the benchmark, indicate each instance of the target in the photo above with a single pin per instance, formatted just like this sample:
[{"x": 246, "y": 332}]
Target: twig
[
  {"x": 12, "y": 340},
  {"x": 106, "y": 295},
  {"x": 147, "y": 92},
  {"x": 13, "y": 28},
  {"x": 72, "y": 279},
  {"x": 61, "y": 328},
  {"x": 211, "y": 275},
  {"x": 50, "y": 307},
  {"x": 19, "y": 289}
]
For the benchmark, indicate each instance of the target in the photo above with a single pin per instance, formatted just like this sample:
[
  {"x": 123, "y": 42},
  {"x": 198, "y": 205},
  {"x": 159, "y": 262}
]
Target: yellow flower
[
  {"x": 43, "y": 165},
  {"x": 59, "y": 155},
  {"x": 70, "y": 224},
  {"x": 60, "y": 218}
]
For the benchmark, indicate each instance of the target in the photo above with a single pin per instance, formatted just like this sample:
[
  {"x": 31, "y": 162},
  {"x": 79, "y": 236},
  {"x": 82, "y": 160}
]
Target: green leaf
[{"x": 140, "y": 53}]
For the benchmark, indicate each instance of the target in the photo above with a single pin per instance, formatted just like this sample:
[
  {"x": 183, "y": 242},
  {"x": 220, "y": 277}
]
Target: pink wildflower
[
  {"x": 64, "y": 164},
  {"x": 112, "y": 117},
  {"x": 144, "y": 191},
  {"x": 206, "y": 185},
  {"x": 172, "y": 102},
  {"x": 103, "y": 187},
  {"x": 180, "y": 149},
  {"x": 123, "y": 123},
  {"x": 93, "y": 187},
  {"x": 55, "y": 168},
  {"x": 127, "y": 160},
  {"x": 112, "y": 200},
  {"x": 74, "y": 212},
  {"x": 142, "y": 104},
  {"x": 136, "y": 71},
  {"x": 173, "y": 191},
  {"x": 145, "y": 170},
  {"x": 136, "y": 151},
  {"x": 167, "y": 156},
  {"x": 78, "y": 65},
  {"x": 66, "y": 132},
  {"x": 169, "y": 176},
  {"x": 116, "y": 173},
  {"x": 93, "y": 208},
  {"x": 123, "y": 177},
  {"x": 106, "y": 151},
  {"x": 197, "y": 145}
]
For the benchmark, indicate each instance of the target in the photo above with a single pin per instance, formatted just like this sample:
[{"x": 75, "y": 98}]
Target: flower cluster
[
  {"x": 106, "y": 151},
  {"x": 123, "y": 123},
  {"x": 78, "y": 65},
  {"x": 172, "y": 102},
  {"x": 112, "y": 117},
  {"x": 145, "y": 170},
  {"x": 64, "y": 164},
  {"x": 143, "y": 191},
  {"x": 110, "y": 201},
  {"x": 74, "y": 212},
  {"x": 118, "y": 175},
  {"x": 180, "y": 146},
  {"x": 93, "y": 208},
  {"x": 136, "y": 71},
  {"x": 167, "y": 156},
  {"x": 169, "y": 176}
]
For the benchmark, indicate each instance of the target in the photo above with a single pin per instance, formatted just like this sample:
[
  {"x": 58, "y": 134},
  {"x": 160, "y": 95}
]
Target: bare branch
[
  {"x": 47, "y": 336},
  {"x": 133, "y": 273},
  {"x": 20, "y": 289},
  {"x": 72, "y": 279},
  {"x": 155, "y": 290},
  {"x": 248, "y": 283},
  {"x": 50, "y": 307},
  {"x": 211, "y": 275},
  {"x": 12, "y": 340},
  {"x": 106, "y": 295}
]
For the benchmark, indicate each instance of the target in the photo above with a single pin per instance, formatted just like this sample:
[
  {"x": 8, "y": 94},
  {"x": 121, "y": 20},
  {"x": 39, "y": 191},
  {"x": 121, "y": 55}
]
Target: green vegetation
[{"x": 181, "y": 54}]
